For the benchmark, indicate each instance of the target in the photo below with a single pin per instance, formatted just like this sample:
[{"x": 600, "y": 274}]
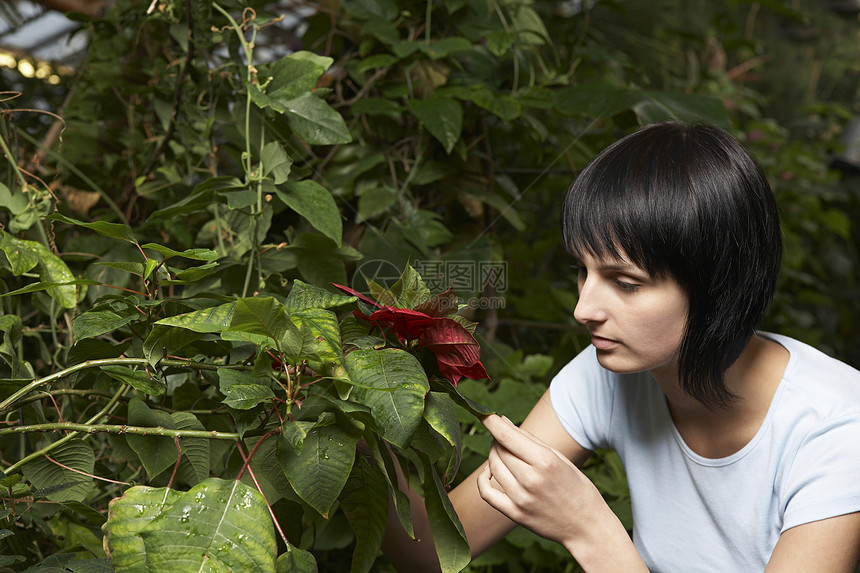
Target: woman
[{"x": 742, "y": 448}]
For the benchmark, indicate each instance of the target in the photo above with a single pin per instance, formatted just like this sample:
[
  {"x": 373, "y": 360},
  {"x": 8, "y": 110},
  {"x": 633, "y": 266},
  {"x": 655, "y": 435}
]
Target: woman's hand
[
  {"x": 534, "y": 485},
  {"x": 537, "y": 487}
]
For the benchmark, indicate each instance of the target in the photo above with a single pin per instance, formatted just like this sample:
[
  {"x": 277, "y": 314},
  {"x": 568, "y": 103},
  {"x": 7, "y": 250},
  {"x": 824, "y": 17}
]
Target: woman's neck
[{"x": 753, "y": 379}]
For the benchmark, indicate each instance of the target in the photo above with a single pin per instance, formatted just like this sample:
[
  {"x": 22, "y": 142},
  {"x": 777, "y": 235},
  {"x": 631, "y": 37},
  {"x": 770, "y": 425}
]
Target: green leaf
[
  {"x": 315, "y": 203},
  {"x": 324, "y": 329},
  {"x": 40, "y": 286},
  {"x": 410, "y": 289},
  {"x": 207, "y": 320},
  {"x": 448, "y": 535},
  {"x": 501, "y": 105},
  {"x": 365, "y": 502},
  {"x": 97, "y": 322},
  {"x": 294, "y": 432},
  {"x": 275, "y": 162},
  {"x": 288, "y": 78},
  {"x": 295, "y": 560},
  {"x": 137, "y": 269},
  {"x": 440, "y": 412},
  {"x": 127, "y": 517},
  {"x": 24, "y": 255},
  {"x": 75, "y": 454},
  {"x": 157, "y": 453},
  {"x": 315, "y": 121},
  {"x": 16, "y": 203},
  {"x": 246, "y": 396},
  {"x": 193, "y": 254},
  {"x": 319, "y": 472},
  {"x": 112, "y": 230},
  {"x": 499, "y": 42},
  {"x": 218, "y": 525},
  {"x": 194, "y": 465},
  {"x": 305, "y": 296},
  {"x": 263, "y": 320},
  {"x": 392, "y": 384},
  {"x": 163, "y": 340},
  {"x": 141, "y": 380},
  {"x": 442, "y": 117}
]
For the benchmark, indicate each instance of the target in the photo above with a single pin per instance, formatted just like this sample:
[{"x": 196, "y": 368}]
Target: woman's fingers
[{"x": 509, "y": 436}]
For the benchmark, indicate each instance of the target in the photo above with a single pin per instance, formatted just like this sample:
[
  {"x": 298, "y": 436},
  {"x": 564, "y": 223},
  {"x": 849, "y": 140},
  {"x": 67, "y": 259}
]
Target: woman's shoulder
[{"x": 822, "y": 384}]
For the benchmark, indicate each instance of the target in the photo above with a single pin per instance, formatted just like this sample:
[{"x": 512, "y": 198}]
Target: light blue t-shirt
[{"x": 695, "y": 514}]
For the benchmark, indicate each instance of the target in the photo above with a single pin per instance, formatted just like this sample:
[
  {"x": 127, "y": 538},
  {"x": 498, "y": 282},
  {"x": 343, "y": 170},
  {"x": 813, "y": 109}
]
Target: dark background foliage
[{"x": 463, "y": 122}]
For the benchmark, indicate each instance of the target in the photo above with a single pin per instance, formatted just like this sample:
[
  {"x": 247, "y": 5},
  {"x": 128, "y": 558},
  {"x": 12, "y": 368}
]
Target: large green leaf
[
  {"x": 75, "y": 454},
  {"x": 98, "y": 322},
  {"x": 213, "y": 319},
  {"x": 393, "y": 384},
  {"x": 325, "y": 331},
  {"x": 319, "y": 472},
  {"x": 315, "y": 203},
  {"x": 218, "y": 525},
  {"x": 315, "y": 121},
  {"x": 443, "y": 118},
  {"x": 127, "y": 517},
  {"x": 24, "y": 255},
  {"x": 262, "y": 316},
  {"x": 287, "y": 79},
  {"x": 111, "y": 230},
  {"x": 304, "y": 296},
  {"x": 246, "y": 396},
  {"x": 448, "y": 535},
  {"x": 365, "y": 503}
]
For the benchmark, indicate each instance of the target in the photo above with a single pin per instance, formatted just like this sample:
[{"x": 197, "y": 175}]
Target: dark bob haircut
[{"x": 686, "y": 201}]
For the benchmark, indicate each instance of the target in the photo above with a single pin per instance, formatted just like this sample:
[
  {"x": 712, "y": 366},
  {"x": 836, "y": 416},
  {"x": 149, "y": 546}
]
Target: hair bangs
[{"x": 613, "y": 210}]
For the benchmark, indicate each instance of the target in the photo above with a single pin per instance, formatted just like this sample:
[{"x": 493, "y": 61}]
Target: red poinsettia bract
[{"x": 457, "y": 352}]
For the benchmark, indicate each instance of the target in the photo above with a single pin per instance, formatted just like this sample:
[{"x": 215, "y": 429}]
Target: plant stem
[
  {"x": 123, "y": 429},
  {"x": 54, "y": 445},
  {"x": 107, "y": 361}
]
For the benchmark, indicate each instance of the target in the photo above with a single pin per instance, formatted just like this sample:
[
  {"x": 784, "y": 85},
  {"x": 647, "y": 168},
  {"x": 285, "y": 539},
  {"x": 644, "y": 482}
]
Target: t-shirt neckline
[{"x": 783, "y": 341}]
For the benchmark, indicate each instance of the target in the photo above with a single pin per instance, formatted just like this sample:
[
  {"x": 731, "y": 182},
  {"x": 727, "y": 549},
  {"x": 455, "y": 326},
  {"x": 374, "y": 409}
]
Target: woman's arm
[
  {"x": 534, "y": 483},
  {"x": 483, "y": 524},
  {"x": 827, "y": 546}
]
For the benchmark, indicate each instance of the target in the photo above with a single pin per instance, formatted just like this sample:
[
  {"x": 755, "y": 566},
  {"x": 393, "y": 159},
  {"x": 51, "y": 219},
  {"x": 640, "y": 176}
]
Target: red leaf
[
  {"x": 364, "y": 298},
  {"x": 442, "y": 304},
  {"x": 407, "y": 324},
  {"x": 457, "y": 352}
]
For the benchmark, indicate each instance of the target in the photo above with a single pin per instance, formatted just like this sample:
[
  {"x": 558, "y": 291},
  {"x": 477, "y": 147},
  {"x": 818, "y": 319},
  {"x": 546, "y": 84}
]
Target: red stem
[{"x": 247, "y": 463}]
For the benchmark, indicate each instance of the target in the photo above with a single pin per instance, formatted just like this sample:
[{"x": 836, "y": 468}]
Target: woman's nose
[{"x": 589, "y": 307}]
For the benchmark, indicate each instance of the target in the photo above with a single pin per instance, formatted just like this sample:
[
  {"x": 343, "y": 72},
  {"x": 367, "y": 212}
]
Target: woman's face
[{"x": 636, "y": 322}]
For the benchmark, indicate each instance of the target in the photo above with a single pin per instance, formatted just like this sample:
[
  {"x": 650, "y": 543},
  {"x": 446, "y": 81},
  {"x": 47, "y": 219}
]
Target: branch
[
  {"x": 113, "y": 429},
  {"x": 107, "y": 361}
]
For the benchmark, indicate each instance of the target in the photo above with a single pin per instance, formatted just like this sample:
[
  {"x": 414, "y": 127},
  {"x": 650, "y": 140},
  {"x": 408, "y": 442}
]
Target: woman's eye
[{"x": 624, "y": 285}]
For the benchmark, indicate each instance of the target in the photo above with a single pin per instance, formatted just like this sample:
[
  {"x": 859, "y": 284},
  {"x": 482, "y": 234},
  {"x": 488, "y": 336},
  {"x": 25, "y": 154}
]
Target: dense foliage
[{"x": 175, "y": 360}]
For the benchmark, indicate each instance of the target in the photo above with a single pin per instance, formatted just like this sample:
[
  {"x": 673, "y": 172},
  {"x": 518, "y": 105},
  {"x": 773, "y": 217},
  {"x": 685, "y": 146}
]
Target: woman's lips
[{"x": 603, "y": 343}]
